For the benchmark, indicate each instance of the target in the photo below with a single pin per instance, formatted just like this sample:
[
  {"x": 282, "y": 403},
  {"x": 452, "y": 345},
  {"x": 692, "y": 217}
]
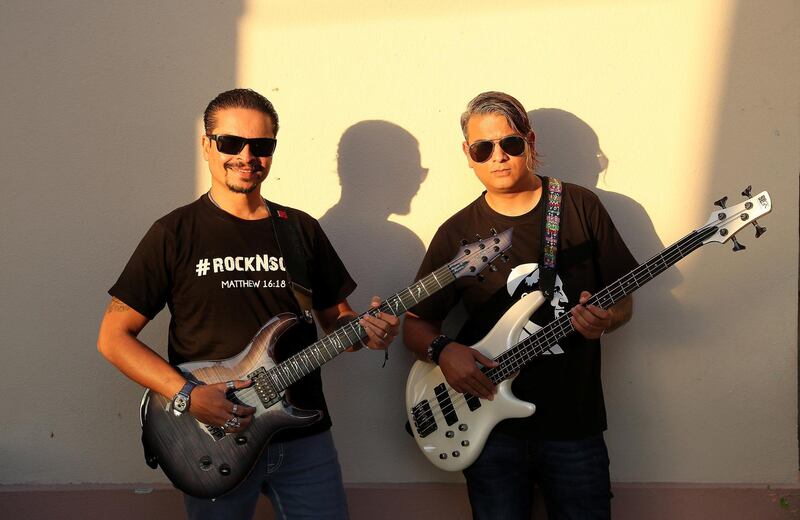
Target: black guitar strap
[
  {"x": 286, "y": 226},
  {"x": 551, "y": 222}
]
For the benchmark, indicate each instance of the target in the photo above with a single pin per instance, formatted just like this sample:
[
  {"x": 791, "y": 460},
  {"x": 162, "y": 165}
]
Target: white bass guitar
[{"x": 451, "y": 428}]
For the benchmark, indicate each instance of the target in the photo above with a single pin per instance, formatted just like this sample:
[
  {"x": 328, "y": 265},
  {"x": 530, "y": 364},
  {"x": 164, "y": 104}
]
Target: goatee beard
[
  {"x": 254, "y": 167},
  {"x": 241, "y": 189}
]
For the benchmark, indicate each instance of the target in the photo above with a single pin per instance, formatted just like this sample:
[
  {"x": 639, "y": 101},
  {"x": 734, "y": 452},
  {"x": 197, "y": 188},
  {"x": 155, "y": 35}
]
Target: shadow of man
[
  {"x": 379, "y": 172},
  {"x": 569, "y": 149}
]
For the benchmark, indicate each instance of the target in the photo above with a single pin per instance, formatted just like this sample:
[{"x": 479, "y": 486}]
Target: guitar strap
[
  {"x": 287, "y": 233},
  {"x": 551, "y": 223}
]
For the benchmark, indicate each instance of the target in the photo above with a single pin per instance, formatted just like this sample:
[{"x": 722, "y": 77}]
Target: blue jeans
[
  {"x": 301, "y": 477},
  {"x": 572, "y": 476}
]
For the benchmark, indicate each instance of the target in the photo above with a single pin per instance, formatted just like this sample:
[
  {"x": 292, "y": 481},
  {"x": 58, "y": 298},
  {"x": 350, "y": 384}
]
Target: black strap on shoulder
[
  {"x": 286, "y": 226},
  {"x": 551, "y": 222}
]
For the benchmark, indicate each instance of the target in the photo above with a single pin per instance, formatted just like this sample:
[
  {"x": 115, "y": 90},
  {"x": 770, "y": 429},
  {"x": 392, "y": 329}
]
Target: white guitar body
[
  {"x": 451, "y": 428},
  {"x": 453, "y": 447}
]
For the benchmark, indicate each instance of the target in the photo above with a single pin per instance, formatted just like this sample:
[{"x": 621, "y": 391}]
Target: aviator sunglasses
[
  {"x": 481, "y": 151},
  {"x": 233, "y": 144}
]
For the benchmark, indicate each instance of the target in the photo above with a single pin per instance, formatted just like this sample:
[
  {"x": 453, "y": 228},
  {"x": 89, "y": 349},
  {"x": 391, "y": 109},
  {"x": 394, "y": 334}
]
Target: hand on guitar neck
[{"x": 591, "y": 321}]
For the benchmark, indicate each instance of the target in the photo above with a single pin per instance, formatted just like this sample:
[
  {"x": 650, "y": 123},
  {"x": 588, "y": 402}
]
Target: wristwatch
[{"x": 180, "y": 403}]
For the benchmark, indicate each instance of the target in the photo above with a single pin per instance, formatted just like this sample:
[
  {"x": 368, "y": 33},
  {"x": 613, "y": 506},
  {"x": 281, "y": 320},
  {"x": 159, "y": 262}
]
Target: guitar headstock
[
  {"x": 473, "y": 258},
  {"x": 730, "y": 221}
]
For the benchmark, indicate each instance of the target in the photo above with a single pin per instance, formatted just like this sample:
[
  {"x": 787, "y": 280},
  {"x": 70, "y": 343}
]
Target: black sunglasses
[
  {"x": 480, "y": 151},
  {"x": 233, "y": 144}
]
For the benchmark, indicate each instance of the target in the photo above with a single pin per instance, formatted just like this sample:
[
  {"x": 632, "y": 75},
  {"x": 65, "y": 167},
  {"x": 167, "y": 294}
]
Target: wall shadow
[
  {"x": 569, "y": 149},
  {"x": 755, "y": 364},
  {"x": 103, "y": 99},
  {"x": 379, "y": 173}
]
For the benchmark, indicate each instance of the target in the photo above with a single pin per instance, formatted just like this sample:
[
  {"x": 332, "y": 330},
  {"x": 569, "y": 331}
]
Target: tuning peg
[
  {"x": 493, "y": 268},
  {"x": 736, "y": 245},
  {"x": 478, "y": 236},
  {"x": 759, "y": 230},
  {"x": 480, "y": 277},
  {"x": 721, "y": 202},
  {"x": 504, "y": 258},
  {"x": 463, "y": 242},
  {"x": 493, "y": 231},
  {"x": 746, "y": 192}
]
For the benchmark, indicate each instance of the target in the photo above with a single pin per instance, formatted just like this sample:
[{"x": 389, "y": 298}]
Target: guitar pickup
[
  {"x": 424, "y": 422},
  {"x": 215, "y": 431},
  {"x": 446, "y": 404},
  {"x": 472, "y": 402}
]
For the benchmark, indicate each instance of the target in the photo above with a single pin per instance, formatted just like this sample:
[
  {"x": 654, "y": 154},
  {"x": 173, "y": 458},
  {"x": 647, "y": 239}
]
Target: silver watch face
[{"x": 180, "y": 403}]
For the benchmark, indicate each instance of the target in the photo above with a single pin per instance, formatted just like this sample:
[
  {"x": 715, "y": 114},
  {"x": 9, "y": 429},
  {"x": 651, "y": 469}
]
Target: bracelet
[{"x": 436, "y": 347}]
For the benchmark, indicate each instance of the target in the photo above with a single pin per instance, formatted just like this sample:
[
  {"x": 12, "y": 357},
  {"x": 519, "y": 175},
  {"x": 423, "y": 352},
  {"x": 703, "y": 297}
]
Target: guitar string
[
  {"x": 561, "y": 327},
  {"x": 545, "y": 338},
  {"x": 428, "y": 283}
]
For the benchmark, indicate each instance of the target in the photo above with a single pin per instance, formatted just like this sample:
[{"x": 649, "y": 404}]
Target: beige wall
[{"x": 684, "y": 101}]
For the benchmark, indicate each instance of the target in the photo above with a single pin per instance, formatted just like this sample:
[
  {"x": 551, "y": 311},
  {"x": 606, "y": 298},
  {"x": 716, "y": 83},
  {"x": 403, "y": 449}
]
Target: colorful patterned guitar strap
[{"x": 551, "y": 224}]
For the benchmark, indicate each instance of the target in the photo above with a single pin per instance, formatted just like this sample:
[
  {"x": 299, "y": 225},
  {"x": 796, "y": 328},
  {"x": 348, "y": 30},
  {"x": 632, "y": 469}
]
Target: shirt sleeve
[
  {"x": 612, "y": 256},
  {"x": 144, "y": 283},
  {"x": 437, "y": 306},
  {"x": 331, "y": 283}
]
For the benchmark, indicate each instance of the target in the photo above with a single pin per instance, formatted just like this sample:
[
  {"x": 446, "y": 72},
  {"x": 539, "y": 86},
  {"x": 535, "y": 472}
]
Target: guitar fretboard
[
  {"x": 352, "y": 333},
  {"x": 526, "y": 350}
]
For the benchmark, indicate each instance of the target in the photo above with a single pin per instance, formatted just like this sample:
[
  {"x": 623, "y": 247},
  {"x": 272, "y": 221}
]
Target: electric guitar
[
  {"x": 206, "y": 462},
  {"x": 451, "y": 428}
]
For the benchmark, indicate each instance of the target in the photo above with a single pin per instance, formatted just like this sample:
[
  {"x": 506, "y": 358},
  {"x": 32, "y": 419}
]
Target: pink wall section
[{"x": 410, "y": 501}]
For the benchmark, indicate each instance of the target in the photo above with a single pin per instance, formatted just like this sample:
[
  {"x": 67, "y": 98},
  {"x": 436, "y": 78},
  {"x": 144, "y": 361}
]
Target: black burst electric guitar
[{"x": 206, "y": 462}]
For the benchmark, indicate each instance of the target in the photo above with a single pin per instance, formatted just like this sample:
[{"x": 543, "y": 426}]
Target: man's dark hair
[
  {"x": 497, "y": 103},
  {"x": 509, "y": 107},
  {"x": 239, "y": 98}
]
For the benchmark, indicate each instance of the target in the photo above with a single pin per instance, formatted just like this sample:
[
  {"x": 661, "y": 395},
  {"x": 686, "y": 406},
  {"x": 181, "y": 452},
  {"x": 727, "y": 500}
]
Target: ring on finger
[
  {"x": 385, "y": 334},
  {"x": 235, "y": 409},
  {"x": 230, "y": 385}
]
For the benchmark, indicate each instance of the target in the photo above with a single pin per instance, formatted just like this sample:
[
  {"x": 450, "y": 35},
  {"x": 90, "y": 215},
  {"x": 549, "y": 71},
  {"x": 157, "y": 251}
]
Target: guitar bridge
[
  {"x": 424, "y": 422},
  {"x": 215, "y": 431}
]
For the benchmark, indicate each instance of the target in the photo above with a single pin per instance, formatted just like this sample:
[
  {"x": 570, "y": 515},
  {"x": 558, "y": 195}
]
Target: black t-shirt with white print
[
  {"x": 222, "y": 278},
  {"x": 565, "y": 383}
]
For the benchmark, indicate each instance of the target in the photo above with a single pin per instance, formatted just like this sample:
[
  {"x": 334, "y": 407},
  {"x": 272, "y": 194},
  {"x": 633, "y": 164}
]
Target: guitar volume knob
[{"x": 205, "y": 463}]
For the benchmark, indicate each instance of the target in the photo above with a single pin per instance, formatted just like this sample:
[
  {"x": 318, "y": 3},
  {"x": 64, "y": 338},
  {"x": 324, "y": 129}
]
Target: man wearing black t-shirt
[
  {"x": 561, "y": 446},
  {"x": 218, "y": 266}
]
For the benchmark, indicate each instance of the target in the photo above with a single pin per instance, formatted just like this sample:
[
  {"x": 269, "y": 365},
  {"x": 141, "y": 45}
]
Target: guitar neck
[
  {"x": 352, "y": 333},
  {"x": 513, "y": 359}
]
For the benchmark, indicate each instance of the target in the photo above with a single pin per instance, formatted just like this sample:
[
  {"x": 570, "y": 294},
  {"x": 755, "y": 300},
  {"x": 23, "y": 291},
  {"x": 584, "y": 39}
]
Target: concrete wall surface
[{"x": 659, "y": 107}]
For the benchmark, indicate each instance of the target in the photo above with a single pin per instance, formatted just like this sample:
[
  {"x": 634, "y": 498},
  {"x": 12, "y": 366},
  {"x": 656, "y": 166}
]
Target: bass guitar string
[{"x": 543, "y": 339}]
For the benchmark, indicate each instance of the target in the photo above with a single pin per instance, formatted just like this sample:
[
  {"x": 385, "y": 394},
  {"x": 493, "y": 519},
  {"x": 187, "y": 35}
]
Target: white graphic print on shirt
[{"x": 524, "y": 279}]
